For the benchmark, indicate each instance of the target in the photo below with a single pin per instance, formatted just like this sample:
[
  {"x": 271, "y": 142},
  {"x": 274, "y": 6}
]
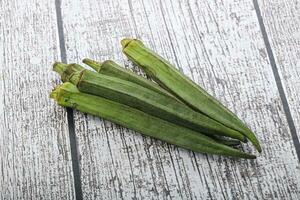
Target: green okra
[
  {"x": 68, "y": 95},
  {"x": 131, "y": 94},
  {"x": 111, "y": 68},
  {"x": 183, "y": 88}
]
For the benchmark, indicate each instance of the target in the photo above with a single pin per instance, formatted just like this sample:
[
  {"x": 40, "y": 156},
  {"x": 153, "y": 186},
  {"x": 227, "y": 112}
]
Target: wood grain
[
  {"x": 282, "y": 23},
  {"x": 34, "y": 145},
  {"x": 219, "y": 45}
]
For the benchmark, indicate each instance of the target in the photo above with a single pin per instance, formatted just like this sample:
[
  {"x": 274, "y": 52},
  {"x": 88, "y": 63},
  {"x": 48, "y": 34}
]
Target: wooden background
[{"x": 246, "y": 53}]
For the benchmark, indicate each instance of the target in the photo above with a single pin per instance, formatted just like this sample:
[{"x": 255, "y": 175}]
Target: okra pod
[
  {"x": 148, "y": 101},
  {"x": 111, "y": 68},
  {"x": 183, "y": 88},
  {"x": 68, "y": 95}
]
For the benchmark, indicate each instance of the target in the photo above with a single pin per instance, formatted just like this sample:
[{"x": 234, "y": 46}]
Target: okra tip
[
  {"x": 257, "y": 146},
  {"x": 250, "y": 156},
  {"x": 251, "y": 136},
  {"x": 59, "y": 67}
]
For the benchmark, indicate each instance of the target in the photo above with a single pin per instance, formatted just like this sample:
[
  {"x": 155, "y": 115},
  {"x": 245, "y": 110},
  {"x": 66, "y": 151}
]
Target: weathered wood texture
[
  {"x": 282, "y": 22},
  {"x": 219, "y": 45},
  {"x": 34, "y": 145}
]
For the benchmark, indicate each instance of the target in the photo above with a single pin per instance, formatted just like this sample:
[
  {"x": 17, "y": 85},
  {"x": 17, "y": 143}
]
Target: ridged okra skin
[
  {"x": 68, "y": 95},
  {"x": 182, "y": 87},
  {"x": 148, "y": 101},
  {"x": 111, "y": 68}
]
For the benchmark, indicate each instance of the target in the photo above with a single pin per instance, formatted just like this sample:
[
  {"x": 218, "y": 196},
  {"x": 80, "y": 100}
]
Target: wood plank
[
  {"x": 217, "y": 44},
  {"x": 282, "y": 23},
  {"x": 34, "y": 146}
]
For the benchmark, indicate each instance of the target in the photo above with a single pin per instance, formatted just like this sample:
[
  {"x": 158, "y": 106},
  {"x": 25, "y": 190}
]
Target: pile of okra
[{"x": 167, "y": 106}]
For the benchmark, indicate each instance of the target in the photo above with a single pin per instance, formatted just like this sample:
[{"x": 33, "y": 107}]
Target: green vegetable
[
  {"x": 183, "y": 88},
  {"x": 148, "y": 101},
  {"x": 69, "y": 96},
  {"x": 111, "y": 68}
]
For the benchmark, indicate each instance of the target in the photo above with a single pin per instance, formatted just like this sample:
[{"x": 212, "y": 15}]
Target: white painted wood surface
[
  {"x": 282, "y": 22},
  {"x": 219, "y": 45},
  {"x": 35, "y": 160}
]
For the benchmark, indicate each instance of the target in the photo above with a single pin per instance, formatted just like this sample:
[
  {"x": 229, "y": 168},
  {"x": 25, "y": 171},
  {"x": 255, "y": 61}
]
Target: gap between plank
[
  {"x": 70, "y": 116},
  {"x": 282, "y": 94}
]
